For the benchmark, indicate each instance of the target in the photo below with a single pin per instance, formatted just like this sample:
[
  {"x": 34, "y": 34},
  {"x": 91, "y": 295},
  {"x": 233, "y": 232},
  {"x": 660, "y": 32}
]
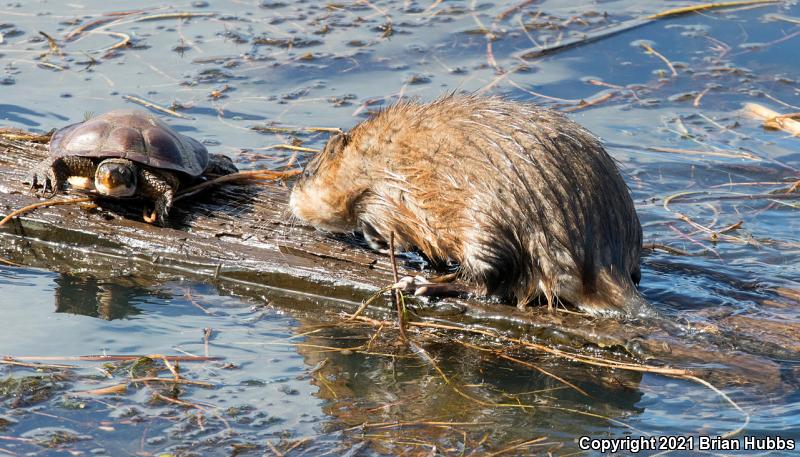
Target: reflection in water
[
  {"x": 375, "y": 387},
  {"x": 89, "y": 296}
]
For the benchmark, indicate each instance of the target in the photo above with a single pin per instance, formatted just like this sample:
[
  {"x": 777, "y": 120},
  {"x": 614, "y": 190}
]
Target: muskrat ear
[
  {"x": 345, "y": 139},
  {"x": 336, "y": 143}
]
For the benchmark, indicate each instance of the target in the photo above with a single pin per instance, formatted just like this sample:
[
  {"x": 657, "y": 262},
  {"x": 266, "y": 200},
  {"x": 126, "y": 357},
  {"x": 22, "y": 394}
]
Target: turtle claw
[
  {"x": 43, "y": 182},
  {"x": 150, "y": 216},
  {"x": 158, "y": 215}
]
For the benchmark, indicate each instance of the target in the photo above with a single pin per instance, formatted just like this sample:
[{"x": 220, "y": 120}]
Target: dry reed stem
[
  {"x": 517, "y": 446},
  {"x": 109, "y": 390},
  {"x": 368, "y": 301},
  {"x": 539, "y": 95},
  {"x": 591, "y": 102},
  {"x": 289, "y": 147},
  {"x": 388, "y": 32},
  {"x": 650, "y": 50},
  {"x": 728, "y": 155},
  {"x": 22, "y": 135},
  {"x": 586, "y": 359},
  {"x": 167, "y": 363},
  {"x": 148, "y": 104},
  {"x": 250, "y": 175},
  {"x": 671, "y": 250},
  {"x": 80, "y": 29},
  {"x": 636, "y": 23},
  {"x": 778, "y": 17},
  {"x": 173, "y": 381},
  {"x": 53, "y": 45},
  {"x": 124, "y": 41},
  {"x": 772, "y": 119},
  {"x": 117, "y": 358},
  {"x": 274, "y": 449},
  {"x": 10, "y": 263},
  {"x": 513, "y": 9},
  {"x": 673, "y": 372},
  {"x": 707, "y": 6},
  {"x": 16, "y": 362},
  {"x": 397, "y": 295},
  {"x": 714, "y": 235},
  {"x": 29, "y": 208},
  {"x": 423, "y": 354},
  {"x": 102, "y": 25},
  {"x": 696, "y": 101},
  {"x": 527, "y": 364}
]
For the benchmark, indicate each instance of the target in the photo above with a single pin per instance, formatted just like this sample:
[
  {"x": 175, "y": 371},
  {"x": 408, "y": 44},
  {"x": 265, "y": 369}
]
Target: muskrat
[{"x": 527, "y": 201}]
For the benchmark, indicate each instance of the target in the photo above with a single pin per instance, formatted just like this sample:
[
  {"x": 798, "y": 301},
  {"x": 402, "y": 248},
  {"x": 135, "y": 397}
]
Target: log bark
[{"x": 241, "y": 238}]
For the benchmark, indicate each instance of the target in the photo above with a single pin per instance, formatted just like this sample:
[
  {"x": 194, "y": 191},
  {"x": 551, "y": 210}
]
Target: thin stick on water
[
  {"x": 29, "y": 208},
  {"x": 115, "y": 358},
  {"x": 35, "y": 365},
  {"x": 151, "y": 216},
  {"x": 52, "y": 42},
  {"x": 396, "y": 293},
  {"x": 151, "y": 105},
  {"x": 650, "y": 50},
  {"x": 250, "y": 175},
  {"x": 772, "y": 119},
  {"x": 289, "y": 147},
  {"x": 124, "y": 40},
  {"x": 368, "y": 301},
  {"x": 707, "y": 6}
]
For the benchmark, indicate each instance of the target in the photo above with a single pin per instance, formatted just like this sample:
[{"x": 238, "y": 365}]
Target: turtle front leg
[
  {"x": 52, "y": 174},
  {"x": 159, "y": 188}
]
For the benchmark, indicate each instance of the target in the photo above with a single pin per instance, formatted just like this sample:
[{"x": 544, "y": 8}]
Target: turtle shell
[{"x": 134, "y": 135}]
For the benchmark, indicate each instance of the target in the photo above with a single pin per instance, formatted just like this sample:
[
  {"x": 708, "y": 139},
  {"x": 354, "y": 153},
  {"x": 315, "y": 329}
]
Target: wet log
[{"x": 241, "y": 238}]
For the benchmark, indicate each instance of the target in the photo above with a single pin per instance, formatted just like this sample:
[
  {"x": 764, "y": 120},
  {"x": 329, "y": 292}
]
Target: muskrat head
[
  {"x": 326, "y": 192},
  {"x": 116, "y": 178}
]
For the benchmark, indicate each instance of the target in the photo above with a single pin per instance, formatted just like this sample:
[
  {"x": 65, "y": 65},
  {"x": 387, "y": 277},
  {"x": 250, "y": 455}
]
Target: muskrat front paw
[{"x": 422, "y": 287}]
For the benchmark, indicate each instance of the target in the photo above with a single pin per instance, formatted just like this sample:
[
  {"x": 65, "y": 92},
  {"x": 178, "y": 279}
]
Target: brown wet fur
[{"x": 526, "y": 200}]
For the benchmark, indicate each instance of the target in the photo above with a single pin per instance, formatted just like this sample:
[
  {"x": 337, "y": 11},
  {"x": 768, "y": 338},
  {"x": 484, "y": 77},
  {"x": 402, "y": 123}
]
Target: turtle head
[{"x": 116, "y": 178}]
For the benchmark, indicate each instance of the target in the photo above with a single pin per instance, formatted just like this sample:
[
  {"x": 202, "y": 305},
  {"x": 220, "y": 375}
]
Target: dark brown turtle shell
[{"x": 134, "y": 135}]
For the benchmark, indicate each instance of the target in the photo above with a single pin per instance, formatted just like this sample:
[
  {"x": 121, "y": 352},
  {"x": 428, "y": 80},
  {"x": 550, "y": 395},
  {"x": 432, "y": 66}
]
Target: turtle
[{"x": 126, "y": 153}]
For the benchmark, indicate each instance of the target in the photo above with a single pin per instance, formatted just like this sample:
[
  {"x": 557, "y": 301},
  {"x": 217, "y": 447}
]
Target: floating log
[{"x": 241, "y": 238}]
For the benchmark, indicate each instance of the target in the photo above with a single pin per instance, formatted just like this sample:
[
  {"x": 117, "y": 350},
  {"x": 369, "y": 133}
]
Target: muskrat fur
[{"x": 527, "y": 201}]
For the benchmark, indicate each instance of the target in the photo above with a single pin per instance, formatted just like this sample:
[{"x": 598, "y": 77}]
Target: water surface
[{"x": 283, "y": 384}]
